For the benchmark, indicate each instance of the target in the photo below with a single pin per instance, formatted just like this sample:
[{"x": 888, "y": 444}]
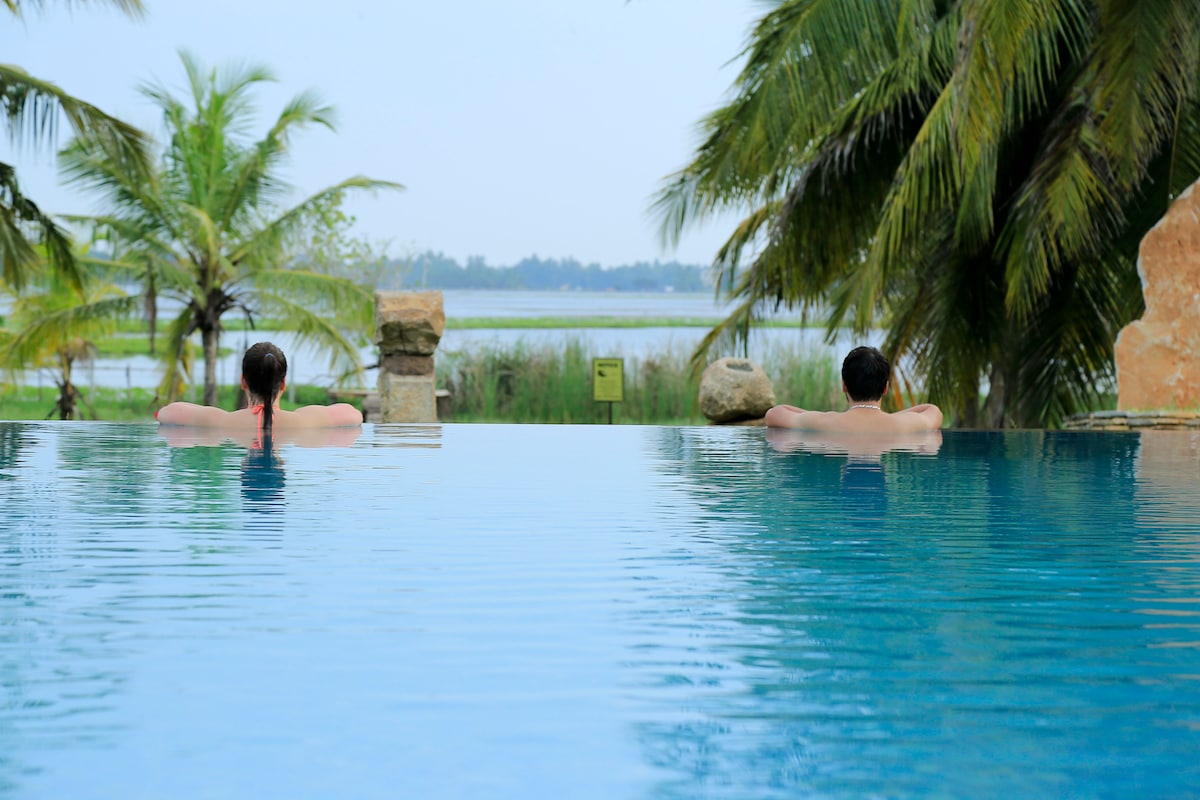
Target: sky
[{"x": 518, "y": 127}]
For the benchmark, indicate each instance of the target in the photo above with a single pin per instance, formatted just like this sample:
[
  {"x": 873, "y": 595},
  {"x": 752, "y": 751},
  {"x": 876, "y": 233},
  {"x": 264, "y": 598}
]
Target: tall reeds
[{"x": 525, "y": 382}]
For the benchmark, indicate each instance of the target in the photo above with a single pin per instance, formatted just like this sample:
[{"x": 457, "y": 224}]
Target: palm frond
[
  {"x": 271, "y": 237},
  {"x": 316, "y": 328},
  {"x": 133, "y": 8}
]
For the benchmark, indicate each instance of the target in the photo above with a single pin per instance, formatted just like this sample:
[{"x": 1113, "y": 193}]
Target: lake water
[{"x": 307, "y": 366}]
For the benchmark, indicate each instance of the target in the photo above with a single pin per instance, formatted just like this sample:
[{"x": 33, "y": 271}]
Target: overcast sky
[{"x": 519, "y": 127}]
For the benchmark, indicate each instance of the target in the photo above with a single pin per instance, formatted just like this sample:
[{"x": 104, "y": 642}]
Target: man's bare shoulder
[
  {"x": 793, "y": 417},
  {"x": 865, "y": 420}
]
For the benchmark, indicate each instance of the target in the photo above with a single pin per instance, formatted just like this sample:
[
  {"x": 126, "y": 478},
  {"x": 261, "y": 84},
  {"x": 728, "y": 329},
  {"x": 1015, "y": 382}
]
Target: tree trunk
[
  {"x": 996, "y": 407},
  {"x": 152, "y": 310},
  {"x": 66, "y": 391},
  {"x": 209, "y": 337},
  {"x": 969, "y": 413}
]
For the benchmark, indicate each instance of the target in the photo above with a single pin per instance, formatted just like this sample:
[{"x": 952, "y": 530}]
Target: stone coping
[{"x": 1134, "y": 420}]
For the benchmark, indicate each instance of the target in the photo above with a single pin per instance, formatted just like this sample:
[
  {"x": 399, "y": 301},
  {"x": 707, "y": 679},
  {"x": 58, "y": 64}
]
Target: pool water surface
[{"x": 597, "y": 612}]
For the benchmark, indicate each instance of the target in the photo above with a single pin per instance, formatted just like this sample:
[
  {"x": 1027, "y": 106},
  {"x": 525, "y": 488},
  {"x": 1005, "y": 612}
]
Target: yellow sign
[{"x": 608, "y": 380}]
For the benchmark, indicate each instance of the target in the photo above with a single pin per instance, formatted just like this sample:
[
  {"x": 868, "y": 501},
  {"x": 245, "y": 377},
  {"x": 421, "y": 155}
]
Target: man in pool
[
  {"x": 865, "y": 377},
  {"x": 264, "y": 377}
]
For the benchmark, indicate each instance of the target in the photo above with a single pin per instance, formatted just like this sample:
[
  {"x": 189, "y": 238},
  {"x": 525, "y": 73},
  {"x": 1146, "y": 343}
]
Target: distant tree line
[{"x": 437, "y": 271}]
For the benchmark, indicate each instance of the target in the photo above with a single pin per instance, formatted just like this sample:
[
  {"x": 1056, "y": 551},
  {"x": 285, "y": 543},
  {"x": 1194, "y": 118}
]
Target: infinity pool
[{"x": 597, "y": 612}]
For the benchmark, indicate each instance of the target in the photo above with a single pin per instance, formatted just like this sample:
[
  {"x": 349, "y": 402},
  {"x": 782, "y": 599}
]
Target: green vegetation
[
  {"x": 552, "y": 383},
  {"x": 138, "y": 405},
  {"x": 207, "y": 229},
  {"x": 974, "y": 177},
  {"x": 30, "y": 109},
  {"x": 55, "y": 324},
  {"x": 123, "y": 346},
  {"x": 437, "y": 271}
]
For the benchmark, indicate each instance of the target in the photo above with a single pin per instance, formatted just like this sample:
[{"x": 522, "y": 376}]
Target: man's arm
[
  {"x": 793, "y": 417},
  {"x": 926, "y": 416}
]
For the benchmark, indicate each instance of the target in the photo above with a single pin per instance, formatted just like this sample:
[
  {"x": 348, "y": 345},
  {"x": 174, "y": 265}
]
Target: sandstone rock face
[
  {"x": 1158, "y": 356},
  {"x": 735, "y": 389},
  {"x": 408, "y": 323}
]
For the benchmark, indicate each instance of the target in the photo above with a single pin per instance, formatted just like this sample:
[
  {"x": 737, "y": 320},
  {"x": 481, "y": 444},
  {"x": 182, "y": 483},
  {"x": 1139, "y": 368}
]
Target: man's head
[{"x": 865, "y": 374}]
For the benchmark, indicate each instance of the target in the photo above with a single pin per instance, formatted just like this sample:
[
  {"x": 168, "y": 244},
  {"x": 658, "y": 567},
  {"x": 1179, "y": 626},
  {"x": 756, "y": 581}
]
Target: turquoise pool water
[{"x": 598, "y": 612}]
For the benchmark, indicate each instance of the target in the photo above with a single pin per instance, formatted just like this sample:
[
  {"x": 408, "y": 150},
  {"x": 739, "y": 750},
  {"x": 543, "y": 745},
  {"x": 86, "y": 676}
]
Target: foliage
[
  {"x": 132, "y": 405},
  {"x": 208, "y": 231},
  {"x": 31, "y": 109},
  {"x": 327, "y": 244},
  {"x": 975, "y": 175},
  {"x": 55, "y": 325},
  {"x": 436, "y": 271},
  {"x": 522, "y": 382}
]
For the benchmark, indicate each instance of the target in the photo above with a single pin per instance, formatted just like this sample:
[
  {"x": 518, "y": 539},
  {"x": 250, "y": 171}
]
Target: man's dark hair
[{"x": 865, "y": 373}]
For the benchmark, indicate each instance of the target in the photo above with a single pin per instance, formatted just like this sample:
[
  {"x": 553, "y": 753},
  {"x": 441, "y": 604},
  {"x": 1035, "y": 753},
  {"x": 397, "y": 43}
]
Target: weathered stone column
[
  {"x": 1158, "y": 356},
  {"x": 408, "y": 327}
]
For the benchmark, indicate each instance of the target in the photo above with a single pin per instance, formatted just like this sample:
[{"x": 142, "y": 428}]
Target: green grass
[
  {"x": 553, "y": 383},
  {"x": 516, "y": 383},
  {"x": 123, "y": 346},
  {"x": 32, "y": 403}
]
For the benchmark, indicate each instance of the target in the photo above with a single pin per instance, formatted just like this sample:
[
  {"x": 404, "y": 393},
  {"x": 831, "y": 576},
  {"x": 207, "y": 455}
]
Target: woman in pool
[{"x": 264, "y": 377}]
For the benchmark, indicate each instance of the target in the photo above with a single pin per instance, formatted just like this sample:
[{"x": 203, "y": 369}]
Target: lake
[{"x": 308, "y": 366}]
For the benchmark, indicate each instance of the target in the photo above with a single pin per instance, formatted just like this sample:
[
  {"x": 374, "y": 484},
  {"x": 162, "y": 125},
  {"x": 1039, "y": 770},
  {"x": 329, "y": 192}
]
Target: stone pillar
[
  {"x": 1158, "y": 356},
  {"x": 408, "y": 327}
]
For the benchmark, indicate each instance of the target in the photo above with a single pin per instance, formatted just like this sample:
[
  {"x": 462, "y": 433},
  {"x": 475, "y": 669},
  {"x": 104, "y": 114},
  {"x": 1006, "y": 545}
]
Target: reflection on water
[
  {"x": 902, "y": 625},
  {"x": 262, "y": 472},
  {"x": 595, "y": 611}
]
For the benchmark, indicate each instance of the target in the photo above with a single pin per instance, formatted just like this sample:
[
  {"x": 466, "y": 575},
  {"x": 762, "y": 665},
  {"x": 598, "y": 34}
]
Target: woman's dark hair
[
  {"x": 264, "y": 367},
  {"x": 865, "y": 373}
]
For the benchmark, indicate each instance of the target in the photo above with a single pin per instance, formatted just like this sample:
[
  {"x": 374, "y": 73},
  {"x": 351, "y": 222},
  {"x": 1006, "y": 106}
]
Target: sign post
[{"x": 608, "y": 382}]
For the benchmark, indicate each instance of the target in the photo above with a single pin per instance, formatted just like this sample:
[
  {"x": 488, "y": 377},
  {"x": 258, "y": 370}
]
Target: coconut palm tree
[
  {"x": 55, "y": 322},
  {"x": 973, "y": 176},
  {"x": 31, "y": 109},
  {"x": 209, "y": 231}
]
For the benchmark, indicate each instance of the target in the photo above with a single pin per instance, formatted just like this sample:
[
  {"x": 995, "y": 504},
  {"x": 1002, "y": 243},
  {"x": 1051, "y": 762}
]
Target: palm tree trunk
[
  {"x": 996, "y": 407},
  {"x": 208, "y": 337},
  {"x": 969, "y": 413},
  {"x": 152, "y": 309},
  {"x": 66, "y": 391}
]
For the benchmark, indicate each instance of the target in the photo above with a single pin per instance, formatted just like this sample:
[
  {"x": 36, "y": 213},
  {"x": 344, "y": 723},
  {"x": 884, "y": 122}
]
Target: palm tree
[
  {"x": 31, "y": 108},
  {"x": 55, "y": 322},
  {"x": 208, "y": 231},
  {"x": 972, "y": 175}
]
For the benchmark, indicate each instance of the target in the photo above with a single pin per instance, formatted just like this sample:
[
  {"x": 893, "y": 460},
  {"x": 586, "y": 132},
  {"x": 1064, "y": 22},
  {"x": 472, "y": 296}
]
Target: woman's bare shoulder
[
  {"x": 333, "y": 416},
  {"x": 183, "y": 413}
]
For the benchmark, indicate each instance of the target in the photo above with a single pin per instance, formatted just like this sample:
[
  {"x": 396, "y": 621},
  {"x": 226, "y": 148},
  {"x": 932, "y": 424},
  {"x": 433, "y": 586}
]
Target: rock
[
  {"x": 408, "y": 323},
  {"x": 1158, "y": 356},
  {"x": 406, "y": 398},
  {"x": 407, "y": 365},
  {"x": 735, "y": 389},
  {"x": 408, "y": 327}
]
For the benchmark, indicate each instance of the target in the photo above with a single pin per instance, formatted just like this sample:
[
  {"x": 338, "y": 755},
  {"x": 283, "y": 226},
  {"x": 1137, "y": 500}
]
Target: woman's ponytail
[
  {"x": 264, "y": 368},
  {"x": 270, "y": 368}
]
